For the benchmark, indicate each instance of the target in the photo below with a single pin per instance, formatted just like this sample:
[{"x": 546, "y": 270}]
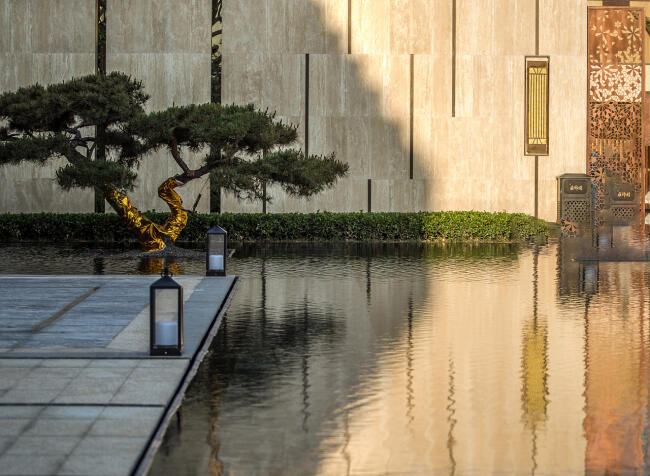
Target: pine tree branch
[
  {"x": 173, "y": 147},
  {"x": 193, "y": 174}
]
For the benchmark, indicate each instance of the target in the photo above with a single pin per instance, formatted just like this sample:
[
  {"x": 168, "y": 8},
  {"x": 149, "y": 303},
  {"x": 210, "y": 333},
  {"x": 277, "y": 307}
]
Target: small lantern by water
[
  {"x": 166, "y": 316},
  {"x": 216, "y": 254}
]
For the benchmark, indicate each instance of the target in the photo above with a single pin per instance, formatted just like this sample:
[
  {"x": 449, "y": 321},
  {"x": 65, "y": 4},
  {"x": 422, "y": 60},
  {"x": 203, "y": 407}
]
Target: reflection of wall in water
[
  {"x": 419, "y": 365},
  {"x": 614, "y": 308}
]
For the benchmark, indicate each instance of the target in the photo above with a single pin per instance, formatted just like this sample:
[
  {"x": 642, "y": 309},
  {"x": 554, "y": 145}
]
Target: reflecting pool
[{"x": 407, "y": 358}]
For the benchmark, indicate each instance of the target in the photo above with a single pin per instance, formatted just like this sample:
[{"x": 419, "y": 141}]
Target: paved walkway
[{"x": 79, "y": 393}]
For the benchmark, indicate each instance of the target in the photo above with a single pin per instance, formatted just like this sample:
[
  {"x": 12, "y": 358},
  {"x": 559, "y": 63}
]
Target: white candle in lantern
[
  {"x": 166, "y": 333},
  {"x": 216, "y": 262}
]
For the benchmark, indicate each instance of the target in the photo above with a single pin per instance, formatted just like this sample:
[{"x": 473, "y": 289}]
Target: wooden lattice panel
[{"x": 615, "y": 100}]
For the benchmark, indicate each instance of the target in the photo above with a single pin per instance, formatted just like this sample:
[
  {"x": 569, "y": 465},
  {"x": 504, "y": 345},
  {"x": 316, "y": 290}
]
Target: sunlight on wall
[{"x": 359, "y": 103}]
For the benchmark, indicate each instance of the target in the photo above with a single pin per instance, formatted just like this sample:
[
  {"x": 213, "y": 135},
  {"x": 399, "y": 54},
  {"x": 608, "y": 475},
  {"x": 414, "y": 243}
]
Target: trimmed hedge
[{"x": 324, "y": 226}]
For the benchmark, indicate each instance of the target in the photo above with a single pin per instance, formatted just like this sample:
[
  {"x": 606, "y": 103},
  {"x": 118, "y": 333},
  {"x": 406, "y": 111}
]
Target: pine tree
[{"x": 247, "y": 148}]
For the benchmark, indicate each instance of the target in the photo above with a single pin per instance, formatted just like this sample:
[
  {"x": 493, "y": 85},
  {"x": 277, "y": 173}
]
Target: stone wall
[
  {"x": 362, "y": 80},
  {"x": 44, "y": 41}
]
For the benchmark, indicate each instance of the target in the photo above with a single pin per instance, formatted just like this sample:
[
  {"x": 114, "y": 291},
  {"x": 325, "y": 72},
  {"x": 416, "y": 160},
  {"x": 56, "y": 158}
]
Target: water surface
[{"x": 411, "y": 359}]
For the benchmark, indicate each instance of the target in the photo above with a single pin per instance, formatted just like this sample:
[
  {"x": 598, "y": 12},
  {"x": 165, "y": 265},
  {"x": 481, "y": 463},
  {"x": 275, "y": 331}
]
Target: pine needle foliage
[
  {"x": 41, "y": 123},
  {"x": 249, "y": 148},
  {"x": 242, "y": 147}
]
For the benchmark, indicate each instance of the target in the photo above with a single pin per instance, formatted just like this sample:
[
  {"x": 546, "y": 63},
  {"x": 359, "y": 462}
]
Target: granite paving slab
[{"x": 79, "y": 393}]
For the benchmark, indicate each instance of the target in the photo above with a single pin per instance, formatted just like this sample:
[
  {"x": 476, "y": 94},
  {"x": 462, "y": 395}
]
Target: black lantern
[
  {"x": 166, "y": 316},
  {"x": 216, "y": 254}
]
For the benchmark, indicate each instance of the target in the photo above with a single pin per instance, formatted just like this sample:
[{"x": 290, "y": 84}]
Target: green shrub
[
  {"x": 324, "y": 226},
  {"x": 485, "y": 226}
]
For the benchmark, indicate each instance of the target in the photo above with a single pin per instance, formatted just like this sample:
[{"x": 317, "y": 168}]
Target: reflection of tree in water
[{"x": 255, "y": 355}]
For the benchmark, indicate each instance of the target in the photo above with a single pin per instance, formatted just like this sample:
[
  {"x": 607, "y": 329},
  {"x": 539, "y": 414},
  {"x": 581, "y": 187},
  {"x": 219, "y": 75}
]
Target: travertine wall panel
[
  {"x": 563, "y": 27},
  {"x": 440, "y": 13},
  {"x": 359, "y": 103},
  {"x": 432, "y": 86},
  {"x": 284, "y": 78},
  {"x": 410, "y": 26},
  {"x": 513, "y": 22},
  {"x": 567, "y": 48},
  {"x": 350, "y": 137},
  {"x": 371, "y": 26},
  {"x": 399, "y": 195},
  {"x": 338, "y": 199},
  {"x": 238, "y": 34},
  {"x": 327, "y": 82},
  {"x": 231, "y": 203},
  {"x": 37, "y": 45},
  {"x": 166, "y": 45},
  {"x": 475, "y": 24},
  {"x": 247, "y": 68},
  {"x": 301, "y": 26}
]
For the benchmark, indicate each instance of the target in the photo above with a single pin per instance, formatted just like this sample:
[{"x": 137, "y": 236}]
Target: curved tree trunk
[{"x": 152, "y": 236}]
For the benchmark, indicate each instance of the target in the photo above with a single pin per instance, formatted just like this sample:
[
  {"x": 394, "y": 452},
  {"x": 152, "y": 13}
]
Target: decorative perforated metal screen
[
  {"x": 573, "y": 202},
  {"x": 576, "y": 211},
  {"x": 624, "y": 213},
  {"x": 615, "y": 101}
]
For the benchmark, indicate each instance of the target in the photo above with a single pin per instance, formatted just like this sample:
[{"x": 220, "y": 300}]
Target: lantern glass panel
[
  {"x": 216, "y": 251},
  {"x": 166, "y": 317}
]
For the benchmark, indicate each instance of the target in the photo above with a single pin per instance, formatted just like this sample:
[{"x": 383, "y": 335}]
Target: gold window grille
[{"x": 537, "y": 105}]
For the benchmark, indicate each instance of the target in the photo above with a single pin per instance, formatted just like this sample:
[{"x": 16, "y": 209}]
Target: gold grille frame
[{"x": 537, "y": 106}]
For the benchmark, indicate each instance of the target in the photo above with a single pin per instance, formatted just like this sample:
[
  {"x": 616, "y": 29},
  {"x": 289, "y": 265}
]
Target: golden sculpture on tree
[
  {"x": 152, "y": 236},
  {"x": 243, "y": 146}
]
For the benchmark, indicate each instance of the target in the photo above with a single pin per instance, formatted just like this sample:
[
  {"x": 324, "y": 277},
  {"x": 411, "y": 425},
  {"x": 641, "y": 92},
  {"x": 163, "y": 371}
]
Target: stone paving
[{"x": 79, "y": 393}]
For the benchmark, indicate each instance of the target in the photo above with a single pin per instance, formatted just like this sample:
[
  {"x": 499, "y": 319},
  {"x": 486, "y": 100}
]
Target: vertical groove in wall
[
  {"x": 537, "y": 27},
  {"x": 536, "y": 186},
  {"x": 537, "y": 156},
  {"x": 453, "y": 59},
  {"x": 100, "y": 68},
  {"x": 349, "y": 27},
  {"x": 264, "y": 187},
  {"x": 369, "y": 195},
  {"x": 411, "y": 81},
  {"x": 306, "y": 104},
  {"x": 100, "y": 38},
  {"x": 264, "y": 197}
]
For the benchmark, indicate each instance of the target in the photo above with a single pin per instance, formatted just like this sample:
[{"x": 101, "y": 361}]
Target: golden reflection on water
[
  {"x": 158, "y": 265},
  {"x": 582, "y": 381},
  {"x": 536, "y": 363},
  {"x": 460, "y": 380}
]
